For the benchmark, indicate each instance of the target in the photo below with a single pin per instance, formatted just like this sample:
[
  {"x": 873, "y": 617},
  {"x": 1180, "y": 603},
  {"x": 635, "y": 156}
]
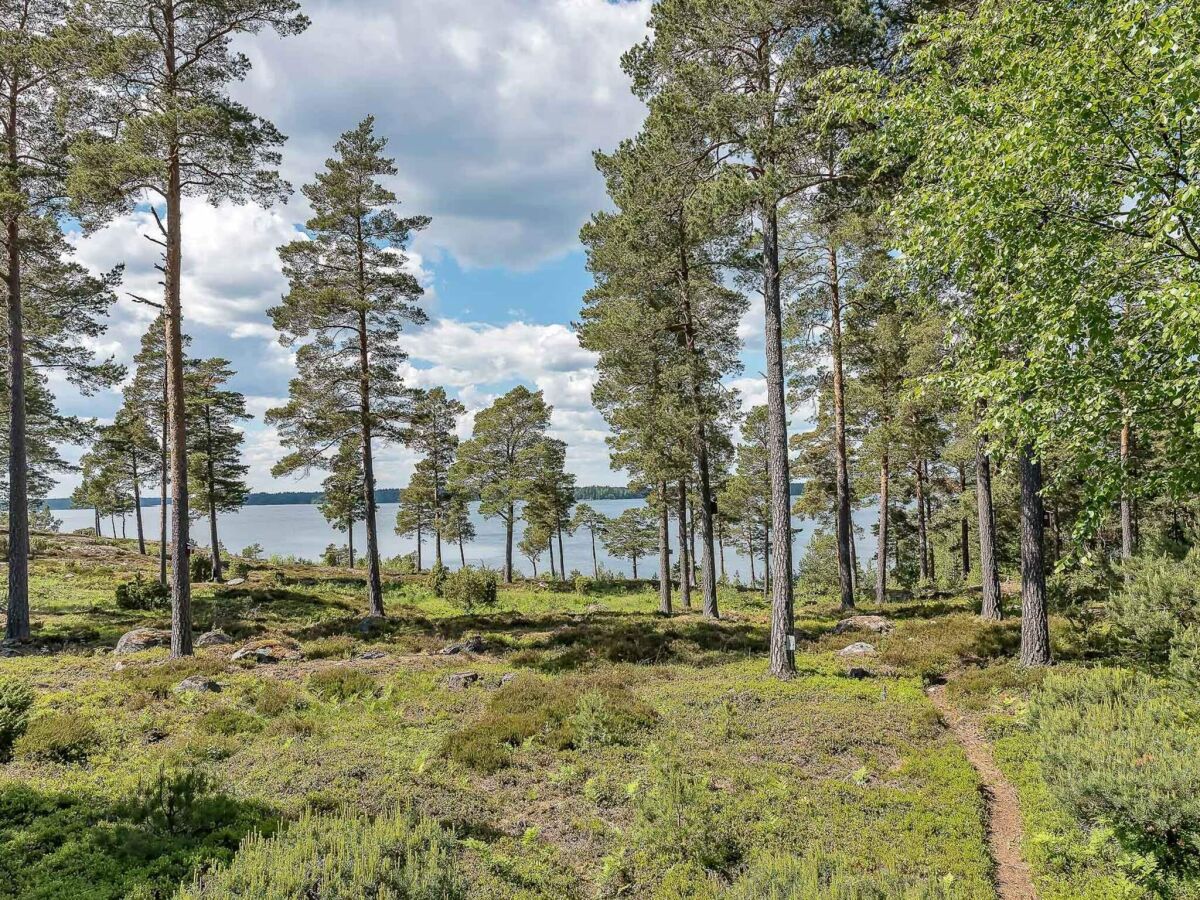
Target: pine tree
[
  {"x": 549, "y": 493},
  {"x": 666, "y": 249},
  {"x": 492, "y": 465},
  {"x": 215, "y": 439},
  {"x": 342, "y": 501},
  {"x": 128, "y": 446},
  {"x": 433, "y": 435},
  {"x": 458, "y": 527},
  {"x": 165, "y": 65},
  {"x": 146, "y": 397},
  {"x": 631, "y": 535},
  {"x": 587, "y": 517},
  {"x": 417, "y": 515},
  {"x": 348, "y": 301}
]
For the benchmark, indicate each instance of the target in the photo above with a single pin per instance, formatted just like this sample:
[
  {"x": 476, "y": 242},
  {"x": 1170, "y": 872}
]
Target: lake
[{"x": 300, "y": 530}]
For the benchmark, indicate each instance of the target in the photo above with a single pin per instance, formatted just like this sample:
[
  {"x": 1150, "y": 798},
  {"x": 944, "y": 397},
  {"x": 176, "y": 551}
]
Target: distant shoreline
[{"x": 387, "y": 495}]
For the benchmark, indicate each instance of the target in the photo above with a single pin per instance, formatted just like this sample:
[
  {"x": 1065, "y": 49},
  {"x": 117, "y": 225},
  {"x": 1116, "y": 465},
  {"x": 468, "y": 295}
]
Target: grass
[{"x": 629, "y": 755}]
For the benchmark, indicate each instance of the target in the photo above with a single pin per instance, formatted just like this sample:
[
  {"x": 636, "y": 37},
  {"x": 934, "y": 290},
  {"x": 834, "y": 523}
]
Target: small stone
[
  {"x": 234, "y": 582},
  {"x": 460, "y": 681},
  {"x": 859, "y": 649},
  {"x": 119, "y": 667},
  {"x": 198, "y": 684},
  {"x": 875, "y": 624},
  {"x": 214, "y": 638},
  {"x": 372, "y": 654},
  {"x": 473, "y": 644},
  {"x": 142, "y": 639},
  {"x": 508, "y": 678}
]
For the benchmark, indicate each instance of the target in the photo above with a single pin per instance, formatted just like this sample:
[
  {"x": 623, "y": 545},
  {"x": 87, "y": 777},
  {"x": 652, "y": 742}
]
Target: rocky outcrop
[{"x": 142, "y": 639}]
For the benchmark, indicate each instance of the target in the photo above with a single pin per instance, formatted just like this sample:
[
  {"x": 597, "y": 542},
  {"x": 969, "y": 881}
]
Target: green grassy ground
[{"x": 631, "y": 756}]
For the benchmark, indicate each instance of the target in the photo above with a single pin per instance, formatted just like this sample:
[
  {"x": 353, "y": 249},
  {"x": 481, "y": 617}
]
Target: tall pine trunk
[
  {"x": 374, "y": 580},
  {"x": 783, "y": 639},
  {"x": 708, "y": 575},
  {"x": 595, "y": 559},
  {"x": 988, "y": 568},
  {"x": 212, "y": 500},
  {"x": 419, "y": 542},
  {"x": 1035, "y": 628},
  {"x": 181, "y": 588},
  {"x": 164, "y": 481},
  {"x": 550, "y": 545},
  {"x": 462, "y": 553},
  {"x": 508, "y": 543},
  {"x": 685, "y": 559},
  {"x": 562, "y": 557},
  {"x": 964, "y": 525},
  {"x": 635, "y": 556},
  {"x": 664, "y": 551},
  {"x": 350, "y": 540},
  {"x": 1128, "y": 526},
  {"x": 843, "y": 523},
  {"x": 922, "y": 532},
  {"x": 881, "y": 557},
  {"x": 137, "y": 505},
  {"x": 17, "y": 628}
]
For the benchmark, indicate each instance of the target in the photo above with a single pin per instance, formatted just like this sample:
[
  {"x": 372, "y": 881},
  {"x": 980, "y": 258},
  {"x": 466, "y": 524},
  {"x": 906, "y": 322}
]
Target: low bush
[
  {"x": 338, "y": 646},
  {"x": 469, "y": 589},
  {"x": 342, "y": 684},
  {"x": 436, "y": 580},
  {"x": 143, "y": 595},
  {"x": 200, "y": 567},
  {"x": 821, "y": 877},
  {"x": 239, "y": 569},
  {"x": 253, "y": 552},
  {"x": 277, "y": 698},
  {"x": 15, "y": 700},
  {"x": 560, "y": 714},
  {"x": 400, "y": 855},
  {"x": 57, "y": 737},
  {"x": 1119, "y": 748},
  {"x": 1157, "y": 614},
  {"x": 228, "y": 721}
]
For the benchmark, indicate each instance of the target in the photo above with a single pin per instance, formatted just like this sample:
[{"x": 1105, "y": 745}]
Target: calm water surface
[{"x": 301, "y": 530}]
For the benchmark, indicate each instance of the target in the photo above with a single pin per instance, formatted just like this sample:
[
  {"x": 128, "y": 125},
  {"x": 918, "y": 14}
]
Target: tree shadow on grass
[{"x": 71, "y": 845}]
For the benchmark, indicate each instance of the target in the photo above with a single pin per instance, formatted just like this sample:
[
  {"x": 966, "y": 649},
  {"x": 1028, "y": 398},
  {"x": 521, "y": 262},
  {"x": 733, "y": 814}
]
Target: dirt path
[{"x": 1013, "y": 881}]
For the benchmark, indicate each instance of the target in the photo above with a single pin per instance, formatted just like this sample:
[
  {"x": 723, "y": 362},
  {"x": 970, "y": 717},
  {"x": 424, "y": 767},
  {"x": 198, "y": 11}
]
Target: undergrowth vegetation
[{"x": 589, "y": 749}]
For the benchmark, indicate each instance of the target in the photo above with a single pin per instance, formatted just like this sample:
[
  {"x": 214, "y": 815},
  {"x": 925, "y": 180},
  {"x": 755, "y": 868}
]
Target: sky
[{"x": 492, "y": 111}]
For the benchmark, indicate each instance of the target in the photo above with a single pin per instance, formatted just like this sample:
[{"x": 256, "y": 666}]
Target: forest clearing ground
[{"x": 1004, "y": 830}]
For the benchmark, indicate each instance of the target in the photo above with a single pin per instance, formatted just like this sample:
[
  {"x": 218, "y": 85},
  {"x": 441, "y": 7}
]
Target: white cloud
[{"x": 493, "y": 109}]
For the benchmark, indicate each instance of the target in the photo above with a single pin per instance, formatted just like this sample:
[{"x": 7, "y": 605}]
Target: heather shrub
[
  {"x": 469, "y": 589},
  {"x": 143, "y": 595},
  {"x": 399, "y": 855},
  {"x": 1119, "y": 749},
  {"x": 15, "y": 700}
]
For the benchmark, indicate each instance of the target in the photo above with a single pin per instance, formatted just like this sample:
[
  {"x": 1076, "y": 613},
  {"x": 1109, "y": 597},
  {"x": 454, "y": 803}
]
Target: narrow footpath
[{"x": 1013, "y": 881}]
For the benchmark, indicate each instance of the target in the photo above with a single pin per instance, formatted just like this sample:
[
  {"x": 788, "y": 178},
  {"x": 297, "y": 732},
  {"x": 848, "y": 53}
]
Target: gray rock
[
  {"x": 372, "y": 654},
  {"x": 142, "y": 639},
  {"x": 859, "y": 649},
  {"x": 460, "y": 681},
  {"x": 197, "y": 684},
  {"x": 267, "y": 653},
  {"x": 214, "y": 638},
  {"x": 875, "y": 624},
  {"x": 508, "y": 678},
  {"x": 473, "y": 644},
  {"x": 234, "y": 582}
]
